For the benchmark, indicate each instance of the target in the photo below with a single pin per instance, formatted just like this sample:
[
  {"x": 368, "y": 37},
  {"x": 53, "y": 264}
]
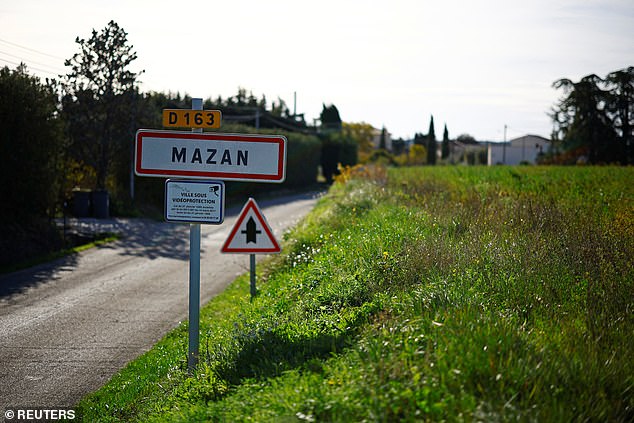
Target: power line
[
  {"x": 40, "y": 67},
  {"x": 31, "y": 49},
  {"x": 28, "y": 67},
  {"x": 10, "y": 62},
  {"x": 27, "y": 61}
]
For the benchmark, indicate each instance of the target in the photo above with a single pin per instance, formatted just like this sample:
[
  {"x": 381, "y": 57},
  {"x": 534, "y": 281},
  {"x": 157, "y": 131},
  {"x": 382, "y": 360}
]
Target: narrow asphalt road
[{"x": 67, "y": 326}]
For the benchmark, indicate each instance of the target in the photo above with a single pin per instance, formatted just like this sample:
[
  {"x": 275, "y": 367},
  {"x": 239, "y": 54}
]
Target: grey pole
[
  {"x": 504, "y": 147},
  {"x": 194, "y": 278},
  {"x": 252, "y": 262}
]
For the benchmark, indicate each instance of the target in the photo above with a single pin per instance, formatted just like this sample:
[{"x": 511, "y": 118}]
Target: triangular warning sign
[{"x": 251, "y": 233}]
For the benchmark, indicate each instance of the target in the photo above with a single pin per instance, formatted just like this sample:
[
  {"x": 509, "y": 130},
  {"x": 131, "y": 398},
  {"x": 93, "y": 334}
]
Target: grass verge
[{"x": 423, "y": 294}]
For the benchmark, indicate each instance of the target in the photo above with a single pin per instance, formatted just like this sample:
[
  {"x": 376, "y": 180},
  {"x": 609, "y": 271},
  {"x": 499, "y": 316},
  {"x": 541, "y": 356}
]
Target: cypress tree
[
  {"x": 383, "y": 140},
  {"x": 432, "y": 145},
  {"x": 445, "y": 144}
]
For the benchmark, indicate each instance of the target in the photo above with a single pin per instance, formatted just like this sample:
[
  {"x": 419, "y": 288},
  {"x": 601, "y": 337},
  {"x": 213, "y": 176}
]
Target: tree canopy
[
  {"x": 330, "y": 119},
  {"x": 31, "y": 142},
  {"x": 363, "y": 134},
  {"x": 98, "y": 100},
  {"x": 595, "y": 116}
]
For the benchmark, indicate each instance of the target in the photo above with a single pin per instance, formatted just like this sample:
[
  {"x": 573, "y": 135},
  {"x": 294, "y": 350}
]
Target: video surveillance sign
[{"x": 194, "y": 201}]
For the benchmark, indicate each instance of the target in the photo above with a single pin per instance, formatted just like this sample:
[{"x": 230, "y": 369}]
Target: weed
[{"x": 420, "y": 294}]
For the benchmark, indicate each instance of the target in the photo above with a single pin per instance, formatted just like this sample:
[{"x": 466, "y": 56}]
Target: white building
[{"x": 519, "y": 150}]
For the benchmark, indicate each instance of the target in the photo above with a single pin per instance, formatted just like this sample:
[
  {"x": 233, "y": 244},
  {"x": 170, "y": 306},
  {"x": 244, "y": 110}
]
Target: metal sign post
[
  {"x": 252, "y": 265},
  {"x": 251, "y": 234},
  {"x": 205, "y": 156},
  {"x": 194, "y": 278}
]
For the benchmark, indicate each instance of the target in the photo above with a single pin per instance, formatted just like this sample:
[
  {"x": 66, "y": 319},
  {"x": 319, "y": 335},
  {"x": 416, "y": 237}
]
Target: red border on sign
[
  {"x": 251, "y": 205},
  {"x": 275, "y": 139}
]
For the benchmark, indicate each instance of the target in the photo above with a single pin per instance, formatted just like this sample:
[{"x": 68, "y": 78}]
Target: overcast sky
[{"x": 475, "y": 65}]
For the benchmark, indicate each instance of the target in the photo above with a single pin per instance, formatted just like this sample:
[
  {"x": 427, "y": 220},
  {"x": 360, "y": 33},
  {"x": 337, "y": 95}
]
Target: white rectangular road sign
[
  {"x": 239, "y": 157},
  {"x": 194, "y": 201}
]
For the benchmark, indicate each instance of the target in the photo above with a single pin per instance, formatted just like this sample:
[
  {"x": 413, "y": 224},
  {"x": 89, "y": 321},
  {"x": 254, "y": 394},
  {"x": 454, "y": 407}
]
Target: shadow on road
[
  {"x": 17, "y": 282},
  {"x": 150, "y": 239},
  {"x": 138, "y": 237}
]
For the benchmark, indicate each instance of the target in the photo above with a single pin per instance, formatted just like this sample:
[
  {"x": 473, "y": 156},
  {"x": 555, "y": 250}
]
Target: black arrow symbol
[{"x": 251, "y": 231}]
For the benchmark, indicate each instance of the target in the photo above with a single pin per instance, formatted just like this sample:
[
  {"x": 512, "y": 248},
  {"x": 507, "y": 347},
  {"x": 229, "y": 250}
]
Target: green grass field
[{"x": 420, "y": 294}]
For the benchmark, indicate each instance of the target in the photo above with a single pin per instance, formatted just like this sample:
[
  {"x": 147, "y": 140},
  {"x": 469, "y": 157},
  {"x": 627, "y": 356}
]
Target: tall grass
[{"x": 424, "y": 294}]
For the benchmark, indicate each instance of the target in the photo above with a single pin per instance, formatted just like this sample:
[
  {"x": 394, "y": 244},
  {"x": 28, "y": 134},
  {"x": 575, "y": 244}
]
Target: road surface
[{"x": 66, "y": 327}]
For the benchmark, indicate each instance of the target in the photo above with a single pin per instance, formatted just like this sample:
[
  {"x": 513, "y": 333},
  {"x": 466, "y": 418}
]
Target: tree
[
  {"x": 432, "y": 145},
  {"x": 420, "y": 139},
  {"x": 583, "y": 121},
  {"x": 445, "y": 144},
  {"x": 31, "y": 143},
  {"x": 417, "y": 155},
  {"x": 620, "y": 105},
  {"x": 330, "y": 119},
  {"x": 466, "y": 139},
  {"x": 383, "y": 139},
  {"x": 337, "y": 147},
  {"x": 99, "y": 97},
  {"x": 280, "y": 109},
  {"x": 398, "y": 146},
  {"x": 363, "y": 134}
]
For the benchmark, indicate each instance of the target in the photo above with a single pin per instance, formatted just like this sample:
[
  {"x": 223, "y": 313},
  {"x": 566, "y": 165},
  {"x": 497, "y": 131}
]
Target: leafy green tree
[
  {"x": 31, "y": 145},
  {"x": 444, "y": 154},
  {"x": 337, "y": 147},
  {"x": 466, "y": 139},
  {"x": 417, "y": 155},
  {"x": 279, "y": 108},
  {"x": 330, "y": 119},
  {"x": 432, "y": 145},
  {"x": 99, "y": 98},
  {"x": 398, "y": 146},
  {"x": 420, "y": 139},
  {"x": 363, "y": 134},
  {"x": 583, "y": 121},
  {"x": 620, "y": 105}
]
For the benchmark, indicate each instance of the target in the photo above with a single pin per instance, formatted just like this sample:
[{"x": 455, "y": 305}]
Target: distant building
[
  {"x": 464, "y": 151},
  {"x": 520, "y": 150}
]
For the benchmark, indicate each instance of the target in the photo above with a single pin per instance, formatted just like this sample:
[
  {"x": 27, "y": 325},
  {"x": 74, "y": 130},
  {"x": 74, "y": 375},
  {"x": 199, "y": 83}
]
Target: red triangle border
[{"x": 251, "y": 205}]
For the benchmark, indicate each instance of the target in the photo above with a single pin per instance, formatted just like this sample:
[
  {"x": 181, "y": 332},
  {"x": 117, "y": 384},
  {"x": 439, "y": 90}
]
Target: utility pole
[{"x": 504, "y": 147}]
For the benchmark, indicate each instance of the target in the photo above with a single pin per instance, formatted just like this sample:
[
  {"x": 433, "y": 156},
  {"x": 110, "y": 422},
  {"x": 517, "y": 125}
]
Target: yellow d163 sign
[{"x": 179, "y": 118}]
